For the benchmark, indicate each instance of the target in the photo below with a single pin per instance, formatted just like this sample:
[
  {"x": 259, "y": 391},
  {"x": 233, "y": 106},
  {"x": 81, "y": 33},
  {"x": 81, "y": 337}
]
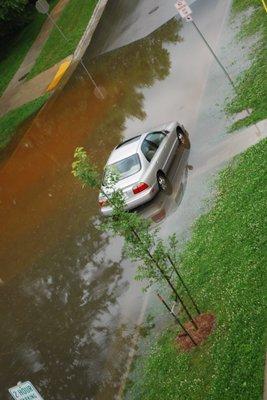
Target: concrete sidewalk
[
  {"x": 29, "y": 90},
  {"x": 235, "y": 143}
]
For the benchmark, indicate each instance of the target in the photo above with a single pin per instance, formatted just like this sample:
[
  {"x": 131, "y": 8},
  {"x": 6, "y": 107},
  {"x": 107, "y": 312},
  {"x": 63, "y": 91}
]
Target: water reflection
[
  {"x": 163, "y": 205},
  {"x": 137, "y": 66},
  {"x": 63, "y": 293},
  {"x": 58, "y": 325}
]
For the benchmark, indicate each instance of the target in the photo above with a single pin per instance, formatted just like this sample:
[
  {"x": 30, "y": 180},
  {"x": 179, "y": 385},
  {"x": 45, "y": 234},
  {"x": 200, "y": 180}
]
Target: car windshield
[{"x": 127, "y": 166}]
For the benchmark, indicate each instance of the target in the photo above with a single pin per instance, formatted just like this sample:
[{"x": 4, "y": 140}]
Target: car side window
[{"x": 151, "y": 144}]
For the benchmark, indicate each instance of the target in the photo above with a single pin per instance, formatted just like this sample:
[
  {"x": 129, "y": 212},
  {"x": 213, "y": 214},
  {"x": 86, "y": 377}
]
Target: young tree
[{"x": 157, "y": 260}]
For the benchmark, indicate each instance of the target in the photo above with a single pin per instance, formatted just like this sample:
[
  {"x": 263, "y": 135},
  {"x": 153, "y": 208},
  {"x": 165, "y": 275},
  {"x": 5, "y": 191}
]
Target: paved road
[
  {"x": 125, "y": 22},
  {"x": 69, "y": 303}
]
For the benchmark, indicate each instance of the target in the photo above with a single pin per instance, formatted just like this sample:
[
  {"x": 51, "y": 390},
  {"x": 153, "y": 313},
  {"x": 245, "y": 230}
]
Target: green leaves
[
  {"x": 84, "y": 170},
  {"x": 251, "y": 83},
  {"x": 111, "y": 177}
]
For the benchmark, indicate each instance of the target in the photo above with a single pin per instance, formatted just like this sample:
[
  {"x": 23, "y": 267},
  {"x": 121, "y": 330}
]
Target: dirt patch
[{"x": 205, "y": 323}]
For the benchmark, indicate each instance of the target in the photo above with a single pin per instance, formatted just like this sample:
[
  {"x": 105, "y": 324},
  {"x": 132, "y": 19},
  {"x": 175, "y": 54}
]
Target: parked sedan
[
  {"x": 142, "y": 163},
  {"x": 163, "y": 206}
]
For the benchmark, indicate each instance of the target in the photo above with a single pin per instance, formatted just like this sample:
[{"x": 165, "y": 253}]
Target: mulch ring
[{"x": 205, "y": 323}]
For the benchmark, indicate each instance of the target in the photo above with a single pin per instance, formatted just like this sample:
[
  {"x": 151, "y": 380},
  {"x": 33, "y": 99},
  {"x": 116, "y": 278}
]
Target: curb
[
  {"x": 90, "y": 29},
  {"x": 82, "y": 45}
]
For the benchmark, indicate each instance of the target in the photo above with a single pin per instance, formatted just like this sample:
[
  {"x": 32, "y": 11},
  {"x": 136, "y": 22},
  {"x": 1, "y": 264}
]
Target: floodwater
[{"x": 68, "y": 300}]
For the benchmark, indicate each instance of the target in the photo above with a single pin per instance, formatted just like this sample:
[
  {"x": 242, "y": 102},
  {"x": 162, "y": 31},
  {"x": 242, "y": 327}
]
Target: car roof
[{"x": 131, "y": 146}]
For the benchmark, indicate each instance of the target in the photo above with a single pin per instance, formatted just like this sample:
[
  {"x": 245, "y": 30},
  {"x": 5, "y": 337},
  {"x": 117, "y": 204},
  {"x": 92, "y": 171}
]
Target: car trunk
[{"x": 127, "y": 184}]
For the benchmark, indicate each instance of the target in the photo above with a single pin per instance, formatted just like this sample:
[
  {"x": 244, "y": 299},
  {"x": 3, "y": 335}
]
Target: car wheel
[
  {"x": 164, "y": 183},
  {"x": 183, "y": 138}
]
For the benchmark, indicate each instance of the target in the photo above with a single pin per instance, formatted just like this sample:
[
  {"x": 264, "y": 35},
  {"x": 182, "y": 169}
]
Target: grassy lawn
[
  {"x": 225, "y": 267},
  {"x": 10, "y": 121},
  {"x": 251, "y": 85},
  {"x": 73, "y": 22},
  {"x": 13, "y": 53}
]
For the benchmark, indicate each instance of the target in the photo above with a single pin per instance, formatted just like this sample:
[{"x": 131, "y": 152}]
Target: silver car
[
  {"x": 163, "y": 206},
  {"x": 142, "y": 163}
]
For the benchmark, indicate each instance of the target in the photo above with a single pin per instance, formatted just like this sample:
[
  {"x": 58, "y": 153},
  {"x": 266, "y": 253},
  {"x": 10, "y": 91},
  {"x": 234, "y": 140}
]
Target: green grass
[
  {"x": 251, "y": 84},
  {"x": 72, "y": 22},
  {"x": 14, "y": 51},
  {"x": 224, "y": 266},
  {"x": 10, "y": 122}
]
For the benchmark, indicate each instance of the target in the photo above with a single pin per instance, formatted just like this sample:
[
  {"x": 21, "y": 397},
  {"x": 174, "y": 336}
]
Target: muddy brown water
[{"x": 68, "y": 300}]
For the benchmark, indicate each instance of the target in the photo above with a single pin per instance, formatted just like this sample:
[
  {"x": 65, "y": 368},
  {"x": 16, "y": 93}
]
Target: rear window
[{"x": 127, "y": 166}]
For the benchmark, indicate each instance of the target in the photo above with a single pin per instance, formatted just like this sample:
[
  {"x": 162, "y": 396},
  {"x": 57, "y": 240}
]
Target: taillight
[
  {"x": 102, "y": 202},
  {"x": 140, "y": 187}
]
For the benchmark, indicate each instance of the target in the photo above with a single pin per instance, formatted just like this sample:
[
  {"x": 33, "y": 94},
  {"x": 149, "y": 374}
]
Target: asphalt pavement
[{"x": 125, "y": 22}]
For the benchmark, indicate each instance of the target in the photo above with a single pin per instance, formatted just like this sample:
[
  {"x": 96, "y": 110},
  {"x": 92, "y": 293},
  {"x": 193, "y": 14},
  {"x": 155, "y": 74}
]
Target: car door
[
  {"x": 153, "y": 147},
  {"x": 170, "y": 147}
]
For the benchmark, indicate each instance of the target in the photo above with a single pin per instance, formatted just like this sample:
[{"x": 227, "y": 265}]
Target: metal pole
[
  {"x": 56, "y": 25},
  {"x": 176, "y": 318},
  {"x": 92, "y": 80},
  {"x": 184, "y": 285},
  {"x": 222, "y": 67},
  {"x": 214, "y": 55},
  {"x": 167, "y": 279},
  {"x": 81, "y": 60}
]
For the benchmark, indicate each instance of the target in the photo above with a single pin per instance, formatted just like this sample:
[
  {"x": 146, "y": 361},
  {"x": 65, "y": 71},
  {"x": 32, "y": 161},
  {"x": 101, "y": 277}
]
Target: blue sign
[{"x": 24, "y": 391}]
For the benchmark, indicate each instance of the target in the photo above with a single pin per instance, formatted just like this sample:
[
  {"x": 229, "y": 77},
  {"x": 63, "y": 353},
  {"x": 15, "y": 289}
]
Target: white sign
[
  {"x": 24, "y": 391},
  {"x": 180, "y": 4},
  {"x": 183, "y": 8},
  {"x": 42, "y": 6}
]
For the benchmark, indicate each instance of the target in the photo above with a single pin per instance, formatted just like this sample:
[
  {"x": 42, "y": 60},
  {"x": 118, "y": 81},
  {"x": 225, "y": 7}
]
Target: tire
[
  {"x": 183, "y": 138},
  {"x": 164, "y": 183}
]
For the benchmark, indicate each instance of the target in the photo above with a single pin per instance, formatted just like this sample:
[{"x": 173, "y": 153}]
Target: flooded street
[{"x": 68, "y": 300}]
